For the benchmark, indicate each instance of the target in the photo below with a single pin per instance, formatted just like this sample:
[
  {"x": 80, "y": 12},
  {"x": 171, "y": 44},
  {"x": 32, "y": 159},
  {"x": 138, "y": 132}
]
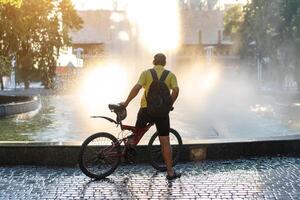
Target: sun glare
[
  {"x": 92, "y": 4},
  {"x": 210, "y": 80},
  {"x": 103, "y": 85},
  {"x": 156, "y": 23},
  {"x": 200, "y": 82}
]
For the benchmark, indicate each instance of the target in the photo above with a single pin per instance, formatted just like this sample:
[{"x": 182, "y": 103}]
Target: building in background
[
  {"x": 104, "y": 32},
  {"x": 108, "y": 31},
  {"x": 69, "y": 67},
  {"x": 94, "y": 35}
]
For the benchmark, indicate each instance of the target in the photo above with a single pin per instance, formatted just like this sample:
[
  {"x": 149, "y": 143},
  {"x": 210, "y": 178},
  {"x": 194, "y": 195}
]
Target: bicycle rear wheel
[
  {"x": 99, "y": 155},
  {"x": 154, "y": 150}
]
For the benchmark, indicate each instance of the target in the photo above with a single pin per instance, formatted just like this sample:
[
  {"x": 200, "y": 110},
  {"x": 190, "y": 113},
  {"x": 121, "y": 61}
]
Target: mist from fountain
[{"x": 214, "y": 102}]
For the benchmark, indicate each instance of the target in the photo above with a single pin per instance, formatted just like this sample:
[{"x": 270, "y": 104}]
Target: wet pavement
[{"x": 256, "y": 178}]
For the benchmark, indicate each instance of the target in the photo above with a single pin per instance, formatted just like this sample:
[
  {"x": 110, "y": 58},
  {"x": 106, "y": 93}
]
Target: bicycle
[{"x": 101, "y": 153}]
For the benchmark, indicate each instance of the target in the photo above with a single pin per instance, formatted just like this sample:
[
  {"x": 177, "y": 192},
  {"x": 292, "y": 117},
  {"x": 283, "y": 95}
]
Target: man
[{"x": 162, "y": 123}]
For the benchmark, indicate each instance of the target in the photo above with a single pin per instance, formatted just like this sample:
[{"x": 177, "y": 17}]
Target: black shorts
[{"x": 162, "y": 123}]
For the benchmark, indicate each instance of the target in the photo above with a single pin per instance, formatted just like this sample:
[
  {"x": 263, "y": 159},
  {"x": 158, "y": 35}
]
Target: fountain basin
[
  {"x": 66, "y": 153},
  {"x": 13, "y": 105}
]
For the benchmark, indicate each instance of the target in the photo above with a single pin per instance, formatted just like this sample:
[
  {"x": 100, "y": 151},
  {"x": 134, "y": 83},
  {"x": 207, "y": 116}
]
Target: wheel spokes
[
  {"x": 156, "y": 156},
  {"x": 100, "y": 155}
]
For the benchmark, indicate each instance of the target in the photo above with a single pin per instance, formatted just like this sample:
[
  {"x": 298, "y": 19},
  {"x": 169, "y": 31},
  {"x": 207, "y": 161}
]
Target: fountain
[
  {"x": 14, "y": 105},
  {"x": 213, "y": 104},
  {"x": 214, "y": 107}
]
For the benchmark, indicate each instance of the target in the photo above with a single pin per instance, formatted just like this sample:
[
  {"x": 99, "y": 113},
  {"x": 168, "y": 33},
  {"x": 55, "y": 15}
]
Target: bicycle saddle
[{"x": 120, "y": 111}]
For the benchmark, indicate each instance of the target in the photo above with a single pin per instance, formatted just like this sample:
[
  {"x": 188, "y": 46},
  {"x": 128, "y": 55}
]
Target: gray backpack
[{"x": 158, "y": 97}]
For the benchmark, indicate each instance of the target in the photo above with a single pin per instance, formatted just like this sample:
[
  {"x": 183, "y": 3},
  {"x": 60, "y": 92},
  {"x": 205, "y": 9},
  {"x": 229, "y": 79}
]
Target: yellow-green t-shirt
[{"x": 145, "y": 81}]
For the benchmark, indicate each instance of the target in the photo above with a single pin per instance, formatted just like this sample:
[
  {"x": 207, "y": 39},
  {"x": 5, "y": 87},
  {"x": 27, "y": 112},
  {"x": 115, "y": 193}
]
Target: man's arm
[
  {"x": 174, "y": 94},
  {"x": 134, "y": 91}
]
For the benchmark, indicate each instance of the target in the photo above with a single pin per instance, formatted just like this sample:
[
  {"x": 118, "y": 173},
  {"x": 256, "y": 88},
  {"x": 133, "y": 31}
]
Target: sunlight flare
[
  {"x": 103, "y": 85},
  {"x": 156, "y": 22},
  {"x": 210, "y": 79}
]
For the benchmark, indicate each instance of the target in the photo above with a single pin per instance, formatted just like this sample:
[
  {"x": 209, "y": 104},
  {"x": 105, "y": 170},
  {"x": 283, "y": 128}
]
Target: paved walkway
[{"x": 261, "y": 178}]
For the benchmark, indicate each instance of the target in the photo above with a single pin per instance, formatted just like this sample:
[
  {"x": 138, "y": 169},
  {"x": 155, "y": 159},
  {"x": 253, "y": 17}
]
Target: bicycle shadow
[
  {"x": 93, "y": 187},
  {"x": 168, "y": 189},
  {"x": 132, "y": 187}
]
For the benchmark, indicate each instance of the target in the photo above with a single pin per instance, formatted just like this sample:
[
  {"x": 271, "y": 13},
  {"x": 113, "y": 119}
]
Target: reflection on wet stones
[{"x": 204, "y": 180}]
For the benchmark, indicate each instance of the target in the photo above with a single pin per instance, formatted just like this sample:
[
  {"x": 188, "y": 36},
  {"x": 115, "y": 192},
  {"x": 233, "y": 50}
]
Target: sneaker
[{"x": 175, "y": 175}]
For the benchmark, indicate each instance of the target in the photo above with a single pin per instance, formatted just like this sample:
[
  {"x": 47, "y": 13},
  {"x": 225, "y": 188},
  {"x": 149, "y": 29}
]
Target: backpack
[{"x": 158, "y": 97}]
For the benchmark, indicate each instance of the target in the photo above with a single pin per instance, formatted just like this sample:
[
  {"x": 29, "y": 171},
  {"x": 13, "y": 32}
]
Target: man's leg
[
  {"x": 167, "y": 153},
  {"x": 141, "y": 121},
  {"x": 163, "y": 129}
]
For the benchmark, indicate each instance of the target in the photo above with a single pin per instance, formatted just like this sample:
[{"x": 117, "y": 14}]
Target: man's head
[{"x": 159, "y": 59}]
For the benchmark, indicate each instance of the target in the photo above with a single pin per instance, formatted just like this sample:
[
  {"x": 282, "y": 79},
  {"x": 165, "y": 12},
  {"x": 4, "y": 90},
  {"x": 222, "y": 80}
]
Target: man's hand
[
  {"x": 174, "y": 95},
  {"x": 124, "y": 104}
]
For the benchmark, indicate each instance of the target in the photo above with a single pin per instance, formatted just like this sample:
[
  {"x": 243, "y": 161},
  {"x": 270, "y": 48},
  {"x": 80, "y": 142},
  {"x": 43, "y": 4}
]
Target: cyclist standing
[{"x": 156, "y": 104}]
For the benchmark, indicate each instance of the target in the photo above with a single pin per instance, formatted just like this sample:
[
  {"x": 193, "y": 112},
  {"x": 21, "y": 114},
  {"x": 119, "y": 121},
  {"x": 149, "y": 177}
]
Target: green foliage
[
  {"x": 5, "y": 68},
  {"x": 70, "y": 19},
  {"x": 33, "y": 34},
  {"x": 267, "y": 29},
  {"x": 11, "y": 2},
  {"x": 260, "y": 28},
  {"x": 233, "y": 20}
]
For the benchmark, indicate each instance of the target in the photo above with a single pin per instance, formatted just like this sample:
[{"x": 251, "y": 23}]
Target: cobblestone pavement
[{"x": 257, "y": 178}]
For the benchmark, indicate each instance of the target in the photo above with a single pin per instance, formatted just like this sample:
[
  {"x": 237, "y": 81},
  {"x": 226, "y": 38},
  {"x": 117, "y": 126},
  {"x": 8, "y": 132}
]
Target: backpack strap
[
  {"x": 164, "y": 75},
  {"x": 154, "y": 75}
]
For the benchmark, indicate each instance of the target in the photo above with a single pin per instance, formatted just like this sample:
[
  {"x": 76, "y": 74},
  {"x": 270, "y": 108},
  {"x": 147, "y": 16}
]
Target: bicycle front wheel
[
  {"x": 99, "y": 155},
  {"x": 154, "y": 150}
]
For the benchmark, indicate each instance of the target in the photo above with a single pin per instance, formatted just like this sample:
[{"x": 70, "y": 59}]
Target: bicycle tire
[
  {"x": 154, "y": 152},
  {"x": 102, "y": 155}
]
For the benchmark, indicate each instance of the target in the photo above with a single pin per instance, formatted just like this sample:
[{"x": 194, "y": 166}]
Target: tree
[
  {"x": 290, "y": 35},
  {"x": 233, "y": 20},
  {"x": 55, "y": 37},
  {"x": 261, "y": 26},
  {"x": 11, "y": 2},
  {"x": 39, "y": 29},
  {"x": 8, "y": 37},
  {"x": 269, "y": 30},
  {"x": 4, "y": 69}
]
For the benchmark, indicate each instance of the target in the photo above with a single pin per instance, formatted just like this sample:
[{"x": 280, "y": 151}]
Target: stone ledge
[
  {"x": 58, "y": 154},
  {"x": 18, "y": 105}
]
